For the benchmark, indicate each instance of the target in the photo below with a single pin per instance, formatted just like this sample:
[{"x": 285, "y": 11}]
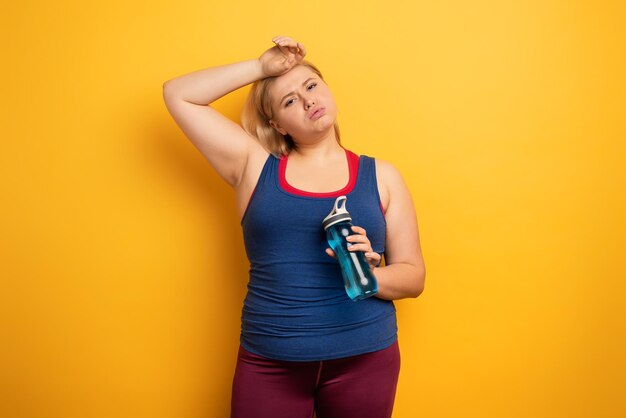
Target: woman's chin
[{"x": 325, "y": 122}]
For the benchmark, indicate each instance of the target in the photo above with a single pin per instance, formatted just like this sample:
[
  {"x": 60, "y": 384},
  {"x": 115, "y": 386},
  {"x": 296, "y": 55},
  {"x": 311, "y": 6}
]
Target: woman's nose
[{"x": 309, "y": 103}]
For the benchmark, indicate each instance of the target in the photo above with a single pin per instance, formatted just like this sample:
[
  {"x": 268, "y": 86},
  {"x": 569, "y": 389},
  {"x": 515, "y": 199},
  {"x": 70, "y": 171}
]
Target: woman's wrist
[{"x": 257, "y": 69}]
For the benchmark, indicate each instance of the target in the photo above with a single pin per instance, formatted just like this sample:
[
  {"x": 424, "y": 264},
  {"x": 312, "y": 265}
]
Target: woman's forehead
[{"x": 292, "y": 79}]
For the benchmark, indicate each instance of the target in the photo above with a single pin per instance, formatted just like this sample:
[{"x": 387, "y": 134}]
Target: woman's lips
[{"x": 317, "y": 113}]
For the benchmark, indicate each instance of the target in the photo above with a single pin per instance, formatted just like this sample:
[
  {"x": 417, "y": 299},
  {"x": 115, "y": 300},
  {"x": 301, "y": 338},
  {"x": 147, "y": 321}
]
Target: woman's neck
[{"x": 323, "y": 149}]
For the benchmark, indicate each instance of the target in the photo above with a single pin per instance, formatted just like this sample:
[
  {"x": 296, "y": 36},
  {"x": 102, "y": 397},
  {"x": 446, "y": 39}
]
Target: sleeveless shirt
[{"x": 296, "y": 307}]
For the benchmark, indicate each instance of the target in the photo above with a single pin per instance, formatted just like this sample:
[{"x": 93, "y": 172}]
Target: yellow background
[{"x": 122, "y": 263}]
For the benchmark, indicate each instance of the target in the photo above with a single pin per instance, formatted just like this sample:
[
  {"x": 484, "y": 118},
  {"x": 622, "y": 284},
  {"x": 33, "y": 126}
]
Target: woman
[{"x": 305, "y": 346}]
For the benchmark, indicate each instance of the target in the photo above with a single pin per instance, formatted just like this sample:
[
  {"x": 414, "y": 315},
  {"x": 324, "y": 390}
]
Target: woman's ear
[{"x": 277, "y": 127}]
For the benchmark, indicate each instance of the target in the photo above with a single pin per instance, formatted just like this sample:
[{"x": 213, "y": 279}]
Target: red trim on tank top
[{"x": 353, "y": 168}]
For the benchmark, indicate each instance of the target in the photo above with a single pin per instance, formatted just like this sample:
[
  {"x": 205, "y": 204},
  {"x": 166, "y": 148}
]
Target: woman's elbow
[{"x": 420, "y": 278}]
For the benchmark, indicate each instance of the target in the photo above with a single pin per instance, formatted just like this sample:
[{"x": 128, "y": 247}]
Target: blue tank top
[{"x": 296, "y": 307}]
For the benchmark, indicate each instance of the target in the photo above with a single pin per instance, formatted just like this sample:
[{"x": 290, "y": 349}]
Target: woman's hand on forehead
[
  {"x": 282, "y": 57},
  {"x": 288, "y": 45}
]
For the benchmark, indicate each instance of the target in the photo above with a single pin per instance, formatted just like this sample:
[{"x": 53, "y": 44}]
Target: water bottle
[{"x": 358, "y": 279}]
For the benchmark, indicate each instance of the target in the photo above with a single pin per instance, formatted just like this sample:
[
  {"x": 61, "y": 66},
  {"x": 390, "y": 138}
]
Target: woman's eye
[
  {"x": 311, "y": 86},
  {"x": 288, "y": 102}
]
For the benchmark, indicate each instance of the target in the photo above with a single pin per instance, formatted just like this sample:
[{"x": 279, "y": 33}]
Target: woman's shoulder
[
  {"x": 388, "y": 178},
  {"x": 386, "y": 171}
]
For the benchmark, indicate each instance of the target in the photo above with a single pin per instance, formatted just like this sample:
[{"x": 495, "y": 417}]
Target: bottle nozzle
[
  {"x": 340, "y": 205},
  {"x": 338, "y": 214}
]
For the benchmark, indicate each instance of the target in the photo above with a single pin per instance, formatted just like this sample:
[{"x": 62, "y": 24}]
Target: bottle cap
[{"x": 338, "y": 214}]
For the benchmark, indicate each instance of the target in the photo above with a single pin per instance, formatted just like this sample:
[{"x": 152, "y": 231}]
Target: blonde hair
[{"x": 257, "y": 113}]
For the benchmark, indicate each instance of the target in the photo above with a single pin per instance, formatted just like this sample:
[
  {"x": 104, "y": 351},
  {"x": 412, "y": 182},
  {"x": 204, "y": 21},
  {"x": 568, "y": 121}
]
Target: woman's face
[{"x": 302, "y": 103}]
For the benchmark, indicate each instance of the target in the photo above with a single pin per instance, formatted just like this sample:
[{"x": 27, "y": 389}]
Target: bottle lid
[{"x": 338, "y": 214}]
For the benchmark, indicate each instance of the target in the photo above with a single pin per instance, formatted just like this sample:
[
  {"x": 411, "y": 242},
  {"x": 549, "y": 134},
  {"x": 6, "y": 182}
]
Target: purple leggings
[{"x": 362, "y": 386}]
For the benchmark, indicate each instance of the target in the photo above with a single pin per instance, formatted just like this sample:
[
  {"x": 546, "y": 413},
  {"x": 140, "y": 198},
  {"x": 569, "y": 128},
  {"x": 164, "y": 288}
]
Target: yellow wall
[{"x": 123, "y": 268}]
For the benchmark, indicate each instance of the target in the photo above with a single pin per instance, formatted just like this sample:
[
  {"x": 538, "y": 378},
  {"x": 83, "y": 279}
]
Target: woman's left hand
[{"x": 360, "y": 242}]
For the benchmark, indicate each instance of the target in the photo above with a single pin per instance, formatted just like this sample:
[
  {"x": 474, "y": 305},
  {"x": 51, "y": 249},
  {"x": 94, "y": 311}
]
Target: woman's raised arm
[{"x": 223, "y": 142}]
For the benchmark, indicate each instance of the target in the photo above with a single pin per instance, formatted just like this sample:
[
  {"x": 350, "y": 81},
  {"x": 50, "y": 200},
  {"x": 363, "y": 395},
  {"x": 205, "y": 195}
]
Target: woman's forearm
[
  {"x": 206, "y": 86},
  {"x": 399, "y": 281}
]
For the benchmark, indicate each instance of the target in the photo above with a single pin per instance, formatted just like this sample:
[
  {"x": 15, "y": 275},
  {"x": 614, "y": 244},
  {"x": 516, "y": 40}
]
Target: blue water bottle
[{"x": 358, "y": 279}]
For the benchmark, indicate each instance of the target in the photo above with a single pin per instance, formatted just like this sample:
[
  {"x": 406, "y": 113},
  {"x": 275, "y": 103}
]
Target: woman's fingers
[
  {"x": 284, "y": 41},
  {"x": 302, "y": 49},
  {"x": 365, "y": 247},
  {"x": 359, "y": 241},
  {"x": 373, "y": 259},
  {"x": 359, "y": 230},
  {"x": 288, "y": 46}
]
